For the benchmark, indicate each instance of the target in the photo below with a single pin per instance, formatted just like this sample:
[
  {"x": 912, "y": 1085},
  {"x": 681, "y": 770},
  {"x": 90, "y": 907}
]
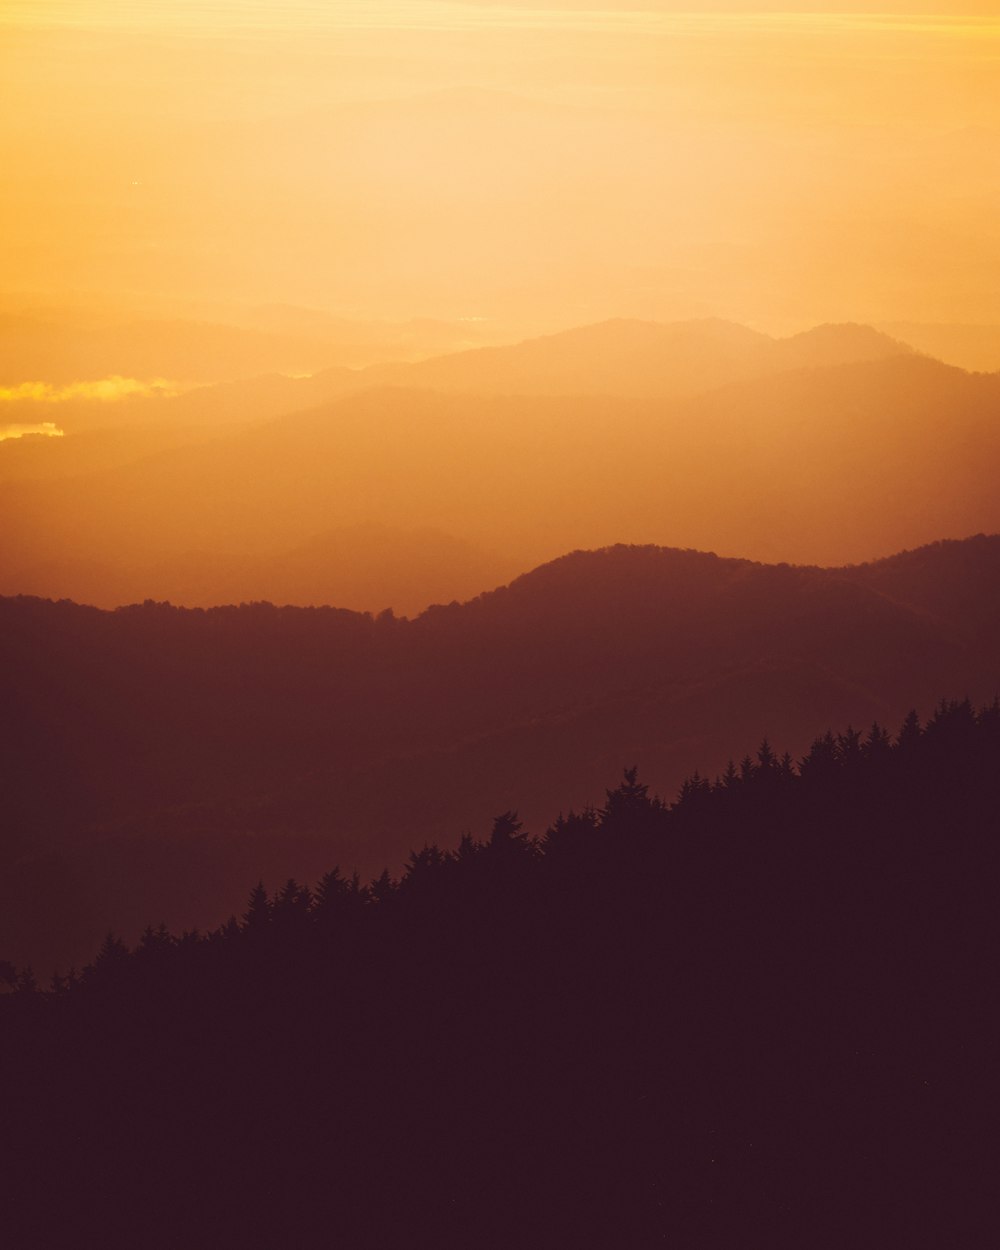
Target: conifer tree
[
  {"x": 382, "y": 888},
  {"x": 506, "y": 828},
  {"x": 259, "y": 909},
  {"x": 877, "y": 744},
  {"x": 113, "y": 951},
  {"x": 849, "y": 746},
  {"x": 630, "y": 797},
  {"x": 910, "y": 733},
  {"x": 822, "y": 761}
]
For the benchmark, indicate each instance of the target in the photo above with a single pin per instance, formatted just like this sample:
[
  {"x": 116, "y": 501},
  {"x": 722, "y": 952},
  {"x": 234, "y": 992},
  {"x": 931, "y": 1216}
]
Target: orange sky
[
  {"x": 553, "y": 165},
  {"x": 302, "y": 175}
]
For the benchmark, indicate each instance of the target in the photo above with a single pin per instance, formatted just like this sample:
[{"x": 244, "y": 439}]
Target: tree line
[
  {"x": 840, "y": 768},
  {"x": 758, "y": 1014}
]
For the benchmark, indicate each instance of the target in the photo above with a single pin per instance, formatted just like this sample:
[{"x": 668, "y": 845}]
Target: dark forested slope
[{"x": 762, "y": 1015}]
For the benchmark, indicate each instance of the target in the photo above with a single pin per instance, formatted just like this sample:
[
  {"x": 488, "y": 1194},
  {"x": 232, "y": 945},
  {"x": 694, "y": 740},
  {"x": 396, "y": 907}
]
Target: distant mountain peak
[{"x": 847, "y": 340}]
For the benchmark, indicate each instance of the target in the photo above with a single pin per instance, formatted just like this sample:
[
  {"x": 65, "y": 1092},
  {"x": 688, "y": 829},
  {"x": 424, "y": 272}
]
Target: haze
[
  {"x": 383, "y": 304},
  {"x": 545, "y": 166}
]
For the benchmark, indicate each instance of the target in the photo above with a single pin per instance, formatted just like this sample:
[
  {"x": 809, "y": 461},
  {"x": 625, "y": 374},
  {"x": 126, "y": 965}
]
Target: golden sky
[
  {"x": 551, "y": 164},
  {"x": 288, "y": 170}
]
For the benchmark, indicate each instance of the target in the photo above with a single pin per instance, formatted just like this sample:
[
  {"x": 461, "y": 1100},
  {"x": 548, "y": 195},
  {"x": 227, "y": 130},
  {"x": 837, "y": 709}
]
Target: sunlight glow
[
  {"x": 108, "y": 389},
  {"x": 47, "y": 428}
]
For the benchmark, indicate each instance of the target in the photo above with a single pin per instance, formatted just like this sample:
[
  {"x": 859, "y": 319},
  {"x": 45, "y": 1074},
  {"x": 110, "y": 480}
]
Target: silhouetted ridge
[
  {"x": 626, "y": 565},
  {"x": 708, "y": 1022},
  {"x": 222, "y": 744},
  {"x": 956, "y": 581}
]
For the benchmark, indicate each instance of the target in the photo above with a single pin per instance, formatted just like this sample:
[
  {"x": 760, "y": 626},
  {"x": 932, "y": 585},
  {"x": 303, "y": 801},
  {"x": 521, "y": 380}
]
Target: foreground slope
[
  {"x": 207, "y": 746},
  {"x": 760, "y": 1016}
]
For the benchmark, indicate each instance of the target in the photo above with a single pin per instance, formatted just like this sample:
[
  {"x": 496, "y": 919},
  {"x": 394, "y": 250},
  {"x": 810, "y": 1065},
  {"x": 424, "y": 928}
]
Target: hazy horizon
[{"x": 535, "y": 167}]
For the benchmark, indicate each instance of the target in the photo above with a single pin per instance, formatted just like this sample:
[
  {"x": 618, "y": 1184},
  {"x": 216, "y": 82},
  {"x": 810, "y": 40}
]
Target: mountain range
[
  {"x": 195, "y": 750},
  {"x": 215, "y": 495},
  {"x": 635, "y": 359}
]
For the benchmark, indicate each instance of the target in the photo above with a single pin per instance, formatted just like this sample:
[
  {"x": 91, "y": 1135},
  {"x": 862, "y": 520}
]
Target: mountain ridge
[
  {"x": 902, "y": 451},
  {"x": 258, "y": 740},
  {"x": 680, "y": 358}
]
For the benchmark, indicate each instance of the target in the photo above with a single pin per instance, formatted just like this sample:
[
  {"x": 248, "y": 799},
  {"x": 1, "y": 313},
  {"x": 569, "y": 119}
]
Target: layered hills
[
  {"x": 636, "y": 359},
  {"x": 366, "y": 496},
  {"x": 826, "y": 464},
  {"x": 198, "y": 749},
  {"x": 612, "y": 358}
]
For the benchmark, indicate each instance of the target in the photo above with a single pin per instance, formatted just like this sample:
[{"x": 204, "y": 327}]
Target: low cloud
[
  {"x": 48, "y": 428},
  {"x": 107, "y": 389}
]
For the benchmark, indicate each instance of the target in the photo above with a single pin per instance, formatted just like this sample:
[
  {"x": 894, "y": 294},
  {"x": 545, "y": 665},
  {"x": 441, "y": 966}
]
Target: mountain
[
  {"x": 623, "y": 358},
  {"x": 974, "y": 347},
  {"x": 825, "y": 464},
  {"x": 636, "y": 359},
  {"x": 612, "y": 357},
  {"x": 205, "y": 748}
]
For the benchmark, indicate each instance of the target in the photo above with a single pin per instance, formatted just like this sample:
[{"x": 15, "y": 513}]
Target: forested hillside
[{"x": 759, "y": 1015}]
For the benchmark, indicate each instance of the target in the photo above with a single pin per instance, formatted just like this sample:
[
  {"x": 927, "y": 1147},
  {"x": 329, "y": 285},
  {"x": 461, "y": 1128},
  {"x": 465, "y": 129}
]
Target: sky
[
  {"x": 395, "y": 177},
  {"x": 436, "y": 13},
  {"x": 541, "y": 165}
]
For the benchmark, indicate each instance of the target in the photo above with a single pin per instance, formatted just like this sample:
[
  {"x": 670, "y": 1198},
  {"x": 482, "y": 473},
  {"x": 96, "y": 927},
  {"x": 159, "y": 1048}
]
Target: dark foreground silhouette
[{"x": 761, "y": 1016}]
